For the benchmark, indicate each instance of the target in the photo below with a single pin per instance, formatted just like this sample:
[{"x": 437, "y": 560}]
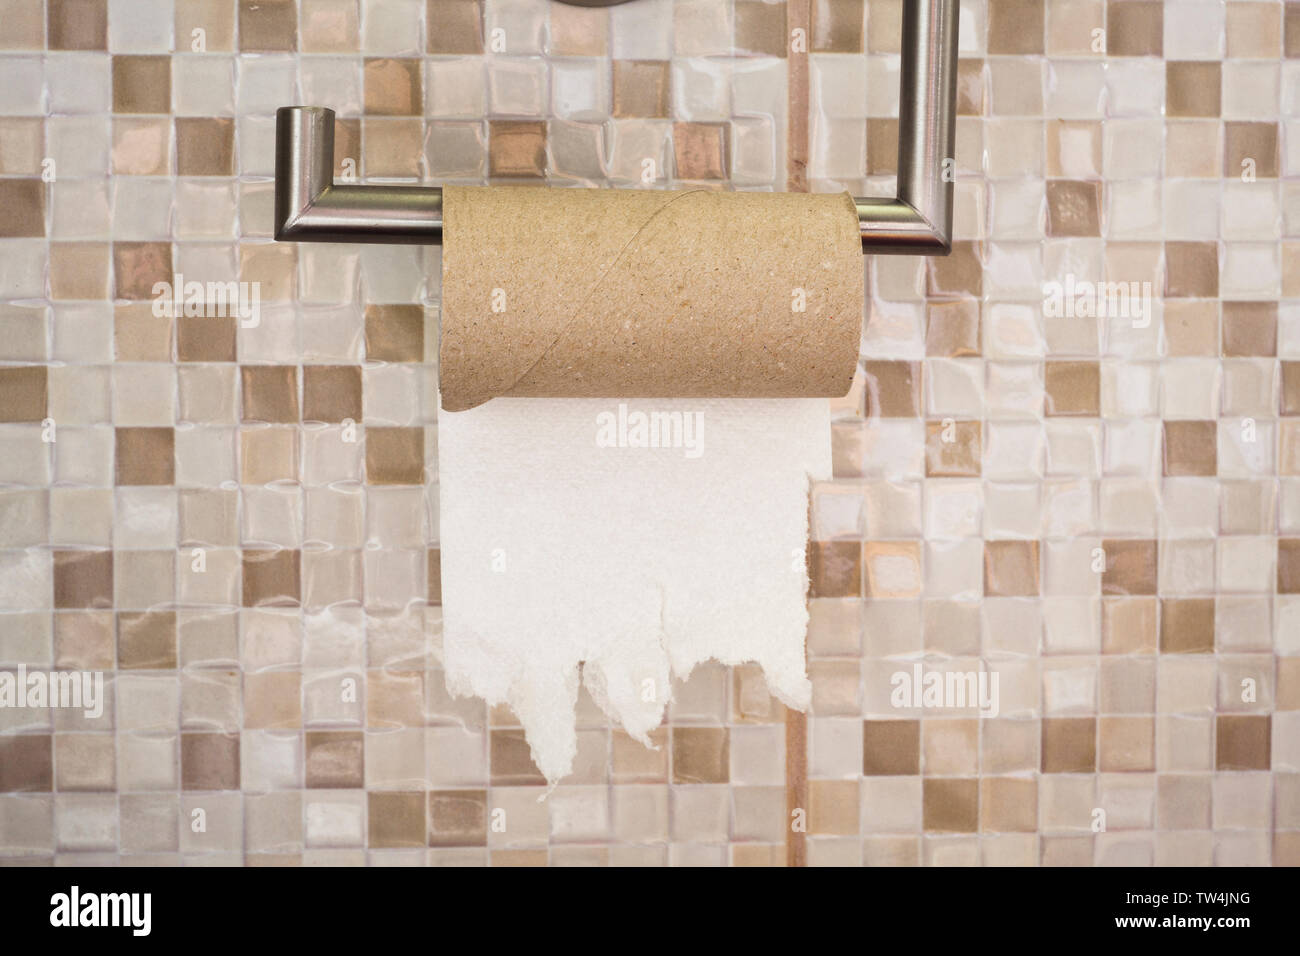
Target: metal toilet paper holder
[{"x": 311, "y": 207}]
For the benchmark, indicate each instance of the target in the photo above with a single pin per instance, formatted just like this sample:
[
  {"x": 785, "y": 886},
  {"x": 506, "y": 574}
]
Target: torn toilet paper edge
[{"x": 581, "y": 546}]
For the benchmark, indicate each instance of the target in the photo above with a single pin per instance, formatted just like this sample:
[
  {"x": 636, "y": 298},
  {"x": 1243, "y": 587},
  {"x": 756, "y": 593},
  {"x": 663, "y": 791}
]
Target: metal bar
[{"x": 310, "y": 207}]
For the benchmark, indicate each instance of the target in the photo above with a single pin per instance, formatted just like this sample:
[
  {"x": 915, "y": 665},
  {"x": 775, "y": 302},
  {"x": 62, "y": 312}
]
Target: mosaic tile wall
[{"x": 238, "y": 525}]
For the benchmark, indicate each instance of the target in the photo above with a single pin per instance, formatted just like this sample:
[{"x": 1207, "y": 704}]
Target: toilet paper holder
[{"x": 311, "y": 207}]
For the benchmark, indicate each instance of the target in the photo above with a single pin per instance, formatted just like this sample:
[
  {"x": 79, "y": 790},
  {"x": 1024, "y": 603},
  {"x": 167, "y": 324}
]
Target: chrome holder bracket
[{"x": 311, "y": 207}]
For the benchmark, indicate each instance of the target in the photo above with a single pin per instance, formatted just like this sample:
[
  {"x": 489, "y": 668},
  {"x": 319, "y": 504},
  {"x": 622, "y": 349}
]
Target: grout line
[{"x": 798, "y": 17}]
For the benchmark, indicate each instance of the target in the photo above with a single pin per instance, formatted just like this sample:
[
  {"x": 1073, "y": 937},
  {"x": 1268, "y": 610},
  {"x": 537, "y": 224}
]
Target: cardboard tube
[{"x": 619, "y": 293}]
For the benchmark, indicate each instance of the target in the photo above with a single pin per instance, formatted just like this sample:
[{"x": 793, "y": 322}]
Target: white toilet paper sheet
[{"x": 570, "y": 551}]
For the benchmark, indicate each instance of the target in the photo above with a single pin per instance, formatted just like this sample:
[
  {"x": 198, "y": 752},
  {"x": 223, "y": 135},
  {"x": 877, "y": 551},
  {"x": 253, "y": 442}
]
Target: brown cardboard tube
[{"x": 620, "y": 293}]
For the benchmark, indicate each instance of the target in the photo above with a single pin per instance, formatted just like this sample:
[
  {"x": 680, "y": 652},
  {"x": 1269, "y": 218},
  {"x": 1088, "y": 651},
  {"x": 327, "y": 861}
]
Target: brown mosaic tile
[
  {"x": 893, "y": 389},
  {"x": 882, "y": 147},
  {"x": 1011, "y": 568},
  {"x": 268, "y": 26},
  {"x": 205, "y": 146},
  {"x": 760, "y": 28},
  {"x": 891, "y": 747},
  {"x": 433, "y": 567},
  {"x": 950, "y": 805},
  {"x": 1250, "y": 328},
  {"x": 1015, "y": 26},
  {"x": 700, "y": 150},
  {"x": 953, "y": 329},
  {"x": 139, "y": 335},
  {"x": 959, "y": 273},
  {"x": 972, "y": 87},
  {"x": 1192, "y": 327},
  {"x": 1288, "y": 684},
  {"x": 24, "y": 25},
  {"x": 138, "y": 266},
  {"x": 1288, "y": 565},
  {"x": 1193, "y": 149},
  {"x": 1290, "y": 395},
  {"x": 838, "y": 26},
  {"x": 77, "y": 24},
  {"x": 273, "y": 700},
  {"x": 1130, "y": 567},
  {"x": 633, "y": 762},
  {"x": 833, "y": 807},
  {"x": 22, "y": 145},
  {"x": 335, "y": 760},
  {"x": 1291, "y": 44},
  {"x": 1190, "y": 448},
  {"x": 146, "y": 640},
  {"x": 953, "y": 449},
  {"x": 394, "y": 699},
  {"x": 1128, "y": 744},
  {"x": 578, "y": 31},
  {"x": 1069, "y": 745},
  {"x": 83, "y": 579},
  {"x": 210, "y": 762},
  {"x": 1187, "y": 625},
  {"x": 272, "y": 578},
  {"x": 216, "y": 18},
  {"x": 396, "y": 820},
  {"x": 142, "y": 84},
  {"x": 1135, "y": 28},
  {"x": 205, "y": 339},
  {"x": 642, "y": 88},
  {"x": 395, "y": 456},
  {"x": 1193, "y": 88},
  {"x": 1191, "y": 269},
  {"x": 455, "y": 26},
  {"x": 269, "y": 393},
  {"x": 145, "y": 456},
  {"x": 1253, "y": 30},
  {"x": 331, "y": 393},
  {"x": 85, "y": 762},
  {"x": 84, "y": 640},
  {"x": 1072, "y": 388},
  {"x": 26, "y": 763},
  {"x": 457, "y": 818},
  {"x": 393, "y": 87},
  {"x": 835, "y": 568},
  {"x": 268, "y": 454},
  {"x": 23, "y": 391},
  {"x": 394, "y": 333},
  {"x": 885, "y": 26},
  {"x": 1242, "y": 741},
  {"x": 950, "y": 746},
  {"x": 1073, "y": 208},
  {"x": 79, "y": 270},
  {"x": 1250, "y": 147},
  {"x": 23, "y": 201},
  {"x": 511, "y": 760},
  {"x": 1008, "y": 805},
  {"x": 516, "y": 149},
  {"x": 701, "y": 754}
]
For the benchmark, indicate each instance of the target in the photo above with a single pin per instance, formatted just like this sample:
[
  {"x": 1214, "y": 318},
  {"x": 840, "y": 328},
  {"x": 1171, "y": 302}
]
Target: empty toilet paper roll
[
  {"x": 615, "y": 544},
  {"x": 645, "y": 293}
]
